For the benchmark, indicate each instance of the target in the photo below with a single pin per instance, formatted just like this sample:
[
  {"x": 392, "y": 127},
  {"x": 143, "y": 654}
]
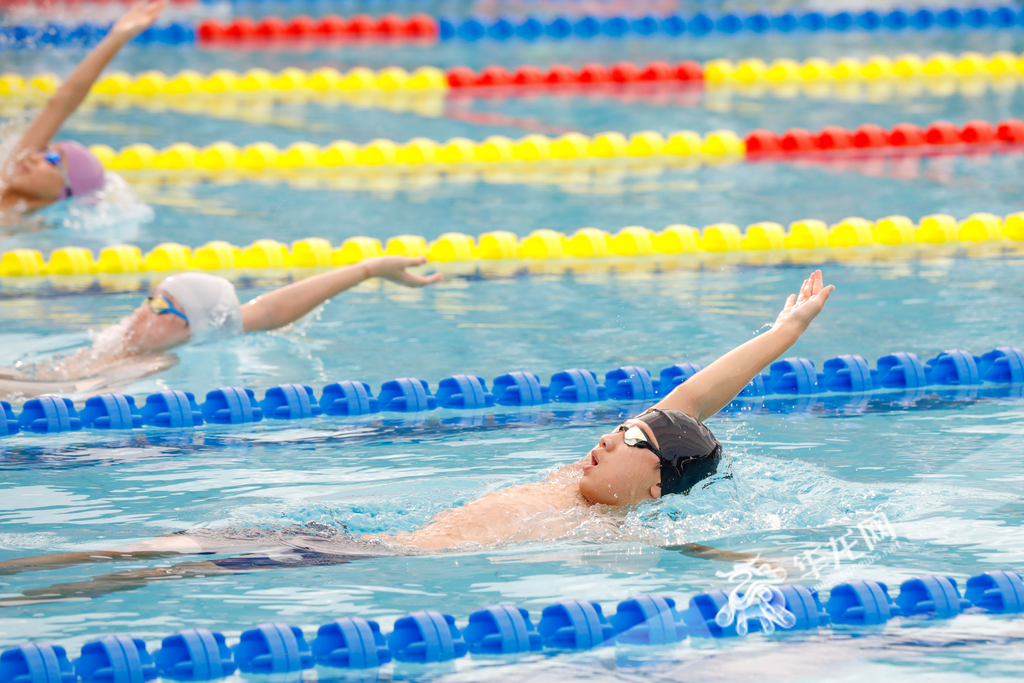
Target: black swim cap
[{"x": 689, "y": 451}]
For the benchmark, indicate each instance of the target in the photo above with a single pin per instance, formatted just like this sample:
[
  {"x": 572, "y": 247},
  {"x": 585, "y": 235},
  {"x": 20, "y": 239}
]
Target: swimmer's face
[
  {"x": 149, "y": 332},
  {"x": 32, "y": 176},
  {"x": 617, "y": 474}
]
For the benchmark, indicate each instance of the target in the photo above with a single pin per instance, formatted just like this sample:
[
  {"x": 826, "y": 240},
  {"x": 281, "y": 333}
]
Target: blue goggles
[
  {"x": 161, "y": 305},
  {"x": 54, "y": 158}
]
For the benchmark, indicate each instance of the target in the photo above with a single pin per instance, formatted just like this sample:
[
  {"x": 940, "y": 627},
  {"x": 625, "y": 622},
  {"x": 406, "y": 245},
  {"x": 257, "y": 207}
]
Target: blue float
[
  {"x": 426, "y": 636},
  {"x": 758, "y": 23},
  {"x": 48, "y": 415},
  {"x": 805, "y": 606},
  {"x": 348, "y": 398},
  {"x": 863, "y": 603},
  {"x": 519, "y": 389},
  {"x": 729, "y": 24},
  {"x": 950, "y": 18},
  {"x": 896, "y": 20},
  {"x": 813, "y": 21},
  {"x": 272, "y": 647},
  {"x": 576, "y": 386},
  {"x": 922, "y": 19},
  {"x": 574, "y": 625},
  {"x": 673, "y": 25},
  {"x": 630, "y": 383},
  {"x": 115, "y": 659},
  {"x": 111, "y": 411},
  {"x": 1000, "y": 17},
  {"x": 501, "y": 630},
  {"x": 997, "y": 591},
  {"x": 786, "y": 22},
  {"x": 615, "y": 27},
  {"x": 953, "y": 368},
  {"x": 645, "y": 26},
  {"x": 471, "y": 30},
  {"x": 869, "y": 20},
  {"x": 1004, "y": 364},
  {"x": 648, "y": 620},
  {"x": 700, "y": 25},
  {"x": 195, "y": 654},
  {"x": 445, "y": 29},
  {"x": 502, "y": 29},
  {"x": 792, "y": 376},
  {"x": 900, "y": 371},
  {"x": 934, "y": 595},
  {"x": 464, "y": 391},
  {"x": 8, "y": 421},
  {"x": 406, "y": 395},
  {"x": 171, "y": 408},
  {"x": 848, "y": 373},
  {"x": 231, "y": 406},
  {"x": 530, "y": 29},
  {"x": 36, "y": 663},
  {"x": 559, "y": 27},
  {"x": 842, "y": 21},
  {"x": 757, "y": 387},
  {"x": 674, "y": 375},
  {"x": 351, "y": 643},
  {"x": 290, "y": 402},
  {"x": 587, "y": 27},
  {"x": 701, "y": 612}
]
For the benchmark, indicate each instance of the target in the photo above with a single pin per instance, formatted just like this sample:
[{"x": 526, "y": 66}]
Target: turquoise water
[{"x": 942, "y": 468}]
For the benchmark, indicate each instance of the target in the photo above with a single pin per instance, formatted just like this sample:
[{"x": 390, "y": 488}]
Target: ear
[{"x": 656, "y": 490}]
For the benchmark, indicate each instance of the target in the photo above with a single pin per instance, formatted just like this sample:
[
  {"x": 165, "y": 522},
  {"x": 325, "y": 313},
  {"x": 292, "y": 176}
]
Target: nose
[{"x": 606, "y": 442}]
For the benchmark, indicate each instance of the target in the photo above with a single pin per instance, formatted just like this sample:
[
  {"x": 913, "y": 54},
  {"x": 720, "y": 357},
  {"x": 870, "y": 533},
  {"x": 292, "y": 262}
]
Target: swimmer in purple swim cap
[{"x": 38, "y": 172}]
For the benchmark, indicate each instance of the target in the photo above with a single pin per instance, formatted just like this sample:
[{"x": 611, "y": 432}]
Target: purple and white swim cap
[{"x": 85, "y": 171}]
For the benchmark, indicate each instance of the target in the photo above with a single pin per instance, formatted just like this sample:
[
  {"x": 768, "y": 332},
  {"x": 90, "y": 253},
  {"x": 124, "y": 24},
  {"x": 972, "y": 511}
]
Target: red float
[
  {"x": 594, "y": 73},
  {"x": 1010, "y": 130},
  {"x": 870, "y": 136},
  {"x": 421, "y": 26},
  {"x": 241, "y": 29},
  {"x": 977, "y": 132},
  {"x": 658, "y": 71},
  {"x": 390, "y": 26},
  {"x": 942, "y": 133},
  {"x": 360, "y": 25},
  {"x": 461, "y": 77},
  {"x": 763, "y": 142},
  {"x": 624, "y": 72},
  {"x": 494, "y": 75},
  {"x": 798, "y": 140},
  {"x": 331, "y": 25},
  {"x": 689, "y": 71},
  {"x": 834, "y": 137},
  {"x": 271, "y": 27},
  {"x": 906, "y": 135},
  {"x": 212, "y": 30},
  {"x": 528, "y": 75},
  {"x": 301, "y": 26},
  {"x": 561, "y": 74}
]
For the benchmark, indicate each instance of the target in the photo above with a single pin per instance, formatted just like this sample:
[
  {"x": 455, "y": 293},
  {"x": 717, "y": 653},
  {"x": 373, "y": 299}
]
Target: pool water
[{"x": 941, "y": 468}]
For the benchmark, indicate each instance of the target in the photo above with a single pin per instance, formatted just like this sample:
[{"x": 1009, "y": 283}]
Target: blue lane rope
[
  {"x": 848, "y": 377},
  {"x": 472, "y": 29},
  {"x": 427, "y": 636}
]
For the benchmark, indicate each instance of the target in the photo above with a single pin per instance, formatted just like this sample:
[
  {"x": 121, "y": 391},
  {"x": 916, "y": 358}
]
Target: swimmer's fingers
[{"x": 417, "y": 280}]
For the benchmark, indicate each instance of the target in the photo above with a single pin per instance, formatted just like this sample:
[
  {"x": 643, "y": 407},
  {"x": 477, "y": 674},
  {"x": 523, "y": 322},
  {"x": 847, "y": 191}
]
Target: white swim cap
[{"x": 208, "y": 301}]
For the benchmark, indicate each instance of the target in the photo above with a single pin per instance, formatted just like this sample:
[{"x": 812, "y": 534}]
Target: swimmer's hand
[
  {"x": 801, "y": 309},
  {"x": 394, "y": 268},
  {"x": 140, "y": 17}
]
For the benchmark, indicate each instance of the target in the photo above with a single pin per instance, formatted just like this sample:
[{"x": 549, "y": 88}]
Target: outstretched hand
[
  {"x": 394, "y": 268},
  {"x": 140, "y": 17},
  {"x": 801, "y": 309}
]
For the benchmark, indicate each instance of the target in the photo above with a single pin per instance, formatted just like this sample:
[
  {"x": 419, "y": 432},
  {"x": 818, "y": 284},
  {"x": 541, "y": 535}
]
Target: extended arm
[
  {"x": 712, "y": 388},
  {"x": 288, "y": 304},
  {"x": 77, "y": 86}
]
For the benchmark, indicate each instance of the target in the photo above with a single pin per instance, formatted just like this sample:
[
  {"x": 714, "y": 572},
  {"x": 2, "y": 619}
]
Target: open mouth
[{"x": 593, "y": 459}]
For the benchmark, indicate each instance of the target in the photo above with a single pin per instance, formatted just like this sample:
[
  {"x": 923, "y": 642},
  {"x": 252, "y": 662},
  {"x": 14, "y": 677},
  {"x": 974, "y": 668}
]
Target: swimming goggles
[
  {"x": 636, "y": 437},
  {"x": 160, "y": 305},
  {"x": 54, "y": 158}
]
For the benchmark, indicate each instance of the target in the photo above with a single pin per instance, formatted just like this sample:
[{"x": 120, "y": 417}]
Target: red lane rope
[
  {"x": 588, "y": 74},
  {"x": 332, "y": 27}
]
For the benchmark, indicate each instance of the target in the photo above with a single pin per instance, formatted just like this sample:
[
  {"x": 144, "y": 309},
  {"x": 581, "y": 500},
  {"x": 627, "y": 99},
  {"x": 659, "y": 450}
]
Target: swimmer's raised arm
[
  {"x": 715, "y": 386},
  {"x": 288, "y": 304},
  {"x": 77, "y": 86}
]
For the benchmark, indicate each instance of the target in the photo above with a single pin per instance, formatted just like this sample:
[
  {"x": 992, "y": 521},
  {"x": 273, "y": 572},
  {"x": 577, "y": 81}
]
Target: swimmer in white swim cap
[
  {"x": 192, "y": 308},
  {"x": 37, "y": 172}
]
